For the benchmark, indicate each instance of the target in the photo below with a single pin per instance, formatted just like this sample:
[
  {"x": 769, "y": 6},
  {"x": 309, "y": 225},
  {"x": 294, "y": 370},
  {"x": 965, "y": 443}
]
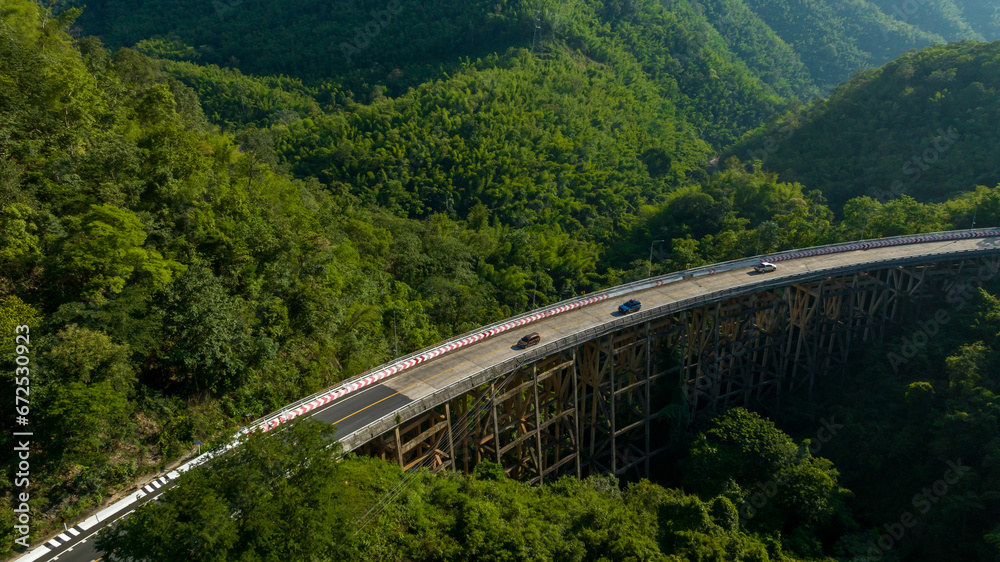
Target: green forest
[
  {"x": 923, "y": 125},
  {"x": 211, "y": 209}
]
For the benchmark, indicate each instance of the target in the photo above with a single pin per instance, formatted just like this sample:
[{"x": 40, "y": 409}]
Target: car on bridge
[
  {"x": 529, "y": 340},
  {"x": 764, "y": 267},
  {"x": 631, "y": 305}
]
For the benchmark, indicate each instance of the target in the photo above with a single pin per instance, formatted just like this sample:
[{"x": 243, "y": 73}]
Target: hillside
[
  {"x": 925, "y": 125},
  {"x": 399, "y": 45},
  {"x": 344, "y": 50},
  {"x": 484, "y": 516}
]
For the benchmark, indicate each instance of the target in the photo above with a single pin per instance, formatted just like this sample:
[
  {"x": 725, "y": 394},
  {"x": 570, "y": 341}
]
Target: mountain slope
[
  {"x": 982, "y": 16},
  {"x": 757, "y": 45},
  {"x": 926, "y": 124},
  {"x": 346, "y": 46}
]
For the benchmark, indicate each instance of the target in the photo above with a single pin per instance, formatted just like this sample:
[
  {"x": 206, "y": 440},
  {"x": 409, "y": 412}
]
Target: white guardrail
[{"x": 382, "y": 372}]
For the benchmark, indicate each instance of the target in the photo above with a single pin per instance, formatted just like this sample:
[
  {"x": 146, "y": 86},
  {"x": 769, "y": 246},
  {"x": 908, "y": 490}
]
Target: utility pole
[
  {"x": 538, "y": 25},
  {"x": 867, "y": 216},
  {"x": 649, "y": 270},
  {"x": 395, "y": 337},
  {"x": 760, "y": 231}
]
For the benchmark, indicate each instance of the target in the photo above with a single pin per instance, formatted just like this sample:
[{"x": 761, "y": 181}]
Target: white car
[{"x": 764, "y": 267}]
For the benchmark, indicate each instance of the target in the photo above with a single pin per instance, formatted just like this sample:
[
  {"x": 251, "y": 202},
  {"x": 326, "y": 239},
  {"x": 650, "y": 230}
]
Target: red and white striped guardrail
[{"x": 406, "y": 363}]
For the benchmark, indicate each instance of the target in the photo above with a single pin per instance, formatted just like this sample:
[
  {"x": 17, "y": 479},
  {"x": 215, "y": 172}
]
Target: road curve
[{"x": 361, "y": 407}]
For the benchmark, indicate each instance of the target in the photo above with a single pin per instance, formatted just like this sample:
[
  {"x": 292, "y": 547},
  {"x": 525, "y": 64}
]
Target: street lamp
[
  {"x": 395, "y": 337},
  {"x": 649, "y": 271},
  {"x": 535, "y": 291}
]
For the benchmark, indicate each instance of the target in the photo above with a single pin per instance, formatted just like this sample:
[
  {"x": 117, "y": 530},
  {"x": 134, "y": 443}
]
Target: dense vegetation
[
  {"x": 915, "y": 431},
  {"x": 797, "y": 48},
  {"x": 360, "y": 56},
  {"x": 924, "y": 125},
  {"x": 367, "y": 509},
  {"x": 198, "y": 227}
]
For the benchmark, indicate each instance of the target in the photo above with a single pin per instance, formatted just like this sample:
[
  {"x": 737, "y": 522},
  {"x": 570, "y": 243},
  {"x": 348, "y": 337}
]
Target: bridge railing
[{"x": 386, "y": 370}]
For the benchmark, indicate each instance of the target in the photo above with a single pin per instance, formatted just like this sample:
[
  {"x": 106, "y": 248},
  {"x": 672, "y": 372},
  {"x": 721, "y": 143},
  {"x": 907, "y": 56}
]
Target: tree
[
  {"x": 18, "y": 239},
  {"x": 89, "y": 357},
  {"x": 782, "y": 485},
  {"x": 106, "y": 252},
  {"x": 278, "y": 496},
  {"x": 86, "y": 420},
  {"x": 15, "y": 312},
  {"x": 210, "y": 343},
  {"x": 190, "y": 522},
  {"x": 858, "y": 212}
]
